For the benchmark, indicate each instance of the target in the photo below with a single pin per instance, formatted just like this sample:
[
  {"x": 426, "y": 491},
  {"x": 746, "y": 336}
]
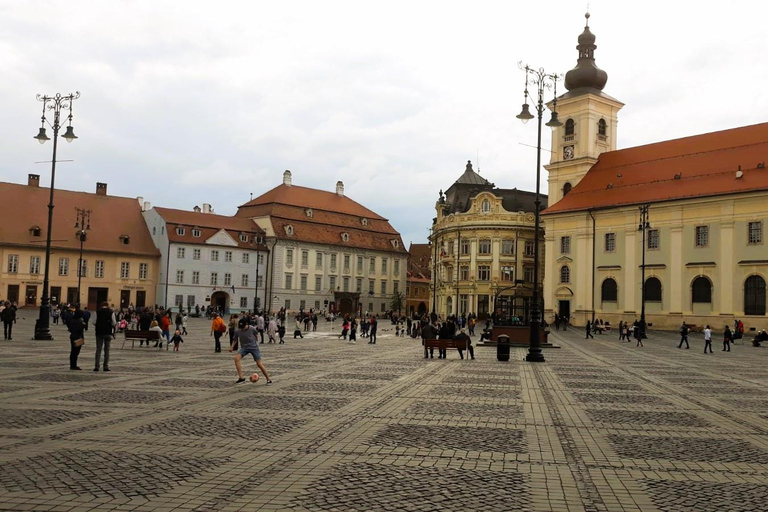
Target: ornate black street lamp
[
  {"x": 83, "y": 224},
  {"x": 644, "y": 226},
  {"x": 540, "y": 80},
  {"x": 55, "y": 104}
]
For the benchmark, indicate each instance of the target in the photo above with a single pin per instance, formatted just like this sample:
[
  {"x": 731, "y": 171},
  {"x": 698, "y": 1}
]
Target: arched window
[
  {"x": 569, "y": 125},
  {"x": 602, "y": 127},
  {"x": 486, "y": 205},
  {"x": 701, "y": 290},
  {"x": 567, "y": 188},
  {"x": 652, "y": 290},
  {"x": 754, "y": 296},
  {"x": 609, "y": 290},
  {"x": 565, "y": 274}
]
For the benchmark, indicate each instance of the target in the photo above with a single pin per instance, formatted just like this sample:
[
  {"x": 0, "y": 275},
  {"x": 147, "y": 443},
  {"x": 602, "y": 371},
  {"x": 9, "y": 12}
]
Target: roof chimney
[
  {"x": 196, "y": 209},
  {"x": 33, "y": 180},
  {"x": 340, "y": 188},
  {"x": 146, "y": 206},
  {"x": 101, "y": 189},
  {"x": 141, "y": 201},
  {"x": 206, "y": 208},
  {"x": 287, "y": 178}
]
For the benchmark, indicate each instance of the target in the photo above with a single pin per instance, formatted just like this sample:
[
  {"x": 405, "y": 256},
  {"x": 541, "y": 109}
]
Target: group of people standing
[
  {"x": 76, "y": 322},
  {"x": 432, "y": 329}
]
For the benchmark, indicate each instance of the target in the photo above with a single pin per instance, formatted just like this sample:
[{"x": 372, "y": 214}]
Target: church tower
[{"x": 589, "y": 118}]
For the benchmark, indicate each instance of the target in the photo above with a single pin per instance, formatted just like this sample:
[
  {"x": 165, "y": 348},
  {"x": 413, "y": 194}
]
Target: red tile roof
[
  {"x": 112, "y": 217},
  {"x": 309, "y": 198},
  {"x": 419, "y": 257},
  {"x": 209, "y": 224},
  {"x": 706, "y": 165}
]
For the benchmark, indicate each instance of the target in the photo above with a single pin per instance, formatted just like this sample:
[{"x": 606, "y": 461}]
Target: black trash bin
[{"x": 502, "y": 348}]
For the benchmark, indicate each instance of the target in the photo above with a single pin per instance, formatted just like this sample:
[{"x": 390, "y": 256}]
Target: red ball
[{"x": 255, "y": 377}]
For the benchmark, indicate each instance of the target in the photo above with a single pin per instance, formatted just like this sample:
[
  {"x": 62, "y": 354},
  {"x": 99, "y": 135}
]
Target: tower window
[
  {"x": 567, "y": 188},
  {"x": 569, "y": 127},
  {"x": 602, "y": 128}
]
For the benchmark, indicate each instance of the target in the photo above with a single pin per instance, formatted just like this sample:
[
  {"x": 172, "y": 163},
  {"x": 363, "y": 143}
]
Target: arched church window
[
  {"x": 569, "y": 127},
  {"x": 567, "y": 188},
  {"x": 565, "y": 274},
  {"x": 602, "y": 127},
  {"x": 609, "y": 290}
]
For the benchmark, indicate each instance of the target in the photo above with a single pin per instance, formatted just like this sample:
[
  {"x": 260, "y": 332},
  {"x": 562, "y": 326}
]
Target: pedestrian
[
  {"x": 727, "y": 339},
  {"x": 639, "y": 338},
  {"x": 683, "y": 336},
  {"x": 165, "y": 325},
  {"x": 621, "y": 327},
  {"x": 589, "y": 331},
  {"x": 353, "y": 331},
  {"x": 76, "y": 327},
  {"x": 55, "y": 313},
  {"x": 232, "y": 328},
  {"x": 372, "y": 331},
  {"x": 297, "y": 330},
  {"x": 177, "y": 340},
  {"x": 272, "y": 329},
  {"x": 104, "y": 323},
  {"x": 184, "y": 319},
  {"x": 428, "y": 332},
  {"x": 9, "y": 318},
  {"x": 281, "y": 331},
  {"x": 246, "y": 335},
  {"x": 707, "y": 339},
  {"x": 344, "y": 329},
  {"x": 218, "y": 328}
]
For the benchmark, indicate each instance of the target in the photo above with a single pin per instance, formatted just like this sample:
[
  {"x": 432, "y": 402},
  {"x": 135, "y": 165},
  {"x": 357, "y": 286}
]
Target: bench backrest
[
  {"x": 142, "y": 335},
  {"x": 446, "y": 343}
]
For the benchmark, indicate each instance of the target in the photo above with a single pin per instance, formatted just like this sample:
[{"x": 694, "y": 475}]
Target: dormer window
[
  {"x": 125, "y": 239},
  {"x": 569, "y": 127},
  {"x": 395, "y": 243},
  {"x": 309, "y": 212},
  {"x": 243, "y": 238},
  {"x": 34, "y": 230},
  {"x": 364, "y": 221},
  {"x": 345, "y": 237},
  {"x": 196, "y": 233},
  {"x": 289, "y": 230},
  {"x": 181, "y": 231},
  {"x": 486, "y": 206},
  {"x": 602, "y": 128}
]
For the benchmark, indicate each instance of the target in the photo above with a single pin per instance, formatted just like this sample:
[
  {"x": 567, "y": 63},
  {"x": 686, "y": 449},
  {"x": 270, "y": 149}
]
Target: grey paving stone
[{"x": 481, "y": 439}]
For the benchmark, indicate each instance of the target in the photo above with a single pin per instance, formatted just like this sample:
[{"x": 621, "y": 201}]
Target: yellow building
[
  {"x": 707, "y": 197},
  {"x": 119, "y": 264},
  {"x": 485, "y": 242}
]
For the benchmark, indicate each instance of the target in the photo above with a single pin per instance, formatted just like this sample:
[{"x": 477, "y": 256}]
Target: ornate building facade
[
  {"x": 485, "y": 242},
  {"x": 703, "y": 242}
]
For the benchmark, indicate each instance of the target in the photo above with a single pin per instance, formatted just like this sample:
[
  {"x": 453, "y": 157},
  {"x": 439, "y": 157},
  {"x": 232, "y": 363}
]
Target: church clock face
[{"x": 567, "y": 152}]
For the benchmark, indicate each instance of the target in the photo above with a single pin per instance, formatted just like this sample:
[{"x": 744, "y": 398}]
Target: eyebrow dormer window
[
  {"x": 125, "y": 239},
  {"x": 34, "y": 230},
  {"x": 345, "y": 237},
  {"x": 196, "y": 233},
  {"x": 310, "y": 213},
  {"x": 181, "y": 231},
  {"x": 243, "y": 238}
]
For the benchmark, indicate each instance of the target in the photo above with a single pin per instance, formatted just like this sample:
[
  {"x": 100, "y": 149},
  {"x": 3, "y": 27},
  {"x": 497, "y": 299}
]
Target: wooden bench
[
  {"x": 446, "y": 344},
  {"x": 135, "y": 336}
]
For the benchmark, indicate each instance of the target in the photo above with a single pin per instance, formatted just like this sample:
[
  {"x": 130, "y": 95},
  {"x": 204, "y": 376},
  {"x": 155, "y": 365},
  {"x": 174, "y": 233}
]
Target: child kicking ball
[{"x": 246, "y": 335}]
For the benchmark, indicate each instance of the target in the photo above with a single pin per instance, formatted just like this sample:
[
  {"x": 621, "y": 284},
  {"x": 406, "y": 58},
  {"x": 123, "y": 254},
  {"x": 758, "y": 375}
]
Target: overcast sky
[{"x": 192, "y": 102}]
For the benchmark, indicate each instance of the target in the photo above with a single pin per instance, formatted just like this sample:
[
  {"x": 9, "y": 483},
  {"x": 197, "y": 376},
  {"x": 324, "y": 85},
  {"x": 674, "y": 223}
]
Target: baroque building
[
  {"x": 119, "y": 262},
  {"x": 485, "y": 245},
  {"x": 703, "y": 244},
  {"x": 327, "y": 252}
]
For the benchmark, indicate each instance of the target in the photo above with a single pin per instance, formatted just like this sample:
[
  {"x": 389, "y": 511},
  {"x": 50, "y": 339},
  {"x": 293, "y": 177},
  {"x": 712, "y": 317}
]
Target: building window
[
  {"x": 346, "y": 263},
  {"x": 228, "y": 256},
  {"x": 214, "y": 278},
  {"x": 395, "y": 287},
  {"x": 345, "y": 284},
  {"x": 179, "y": 300},
  {"x": 181, "y": 231},
  {"x": 383, "y": 287},
  {"x": 195, "y": 254},
  {"x": 63, "y": 266},
  {"x": 191, "y": 301},
  {"x": 317, "y": 305},
  {"x": 227, "y": 279},
  {"x": 701, "y": 291},
  {"x": 246, "y": 257},
  {"x": 652, "y": 290},
  {"x": 702, "y": 236},
  {"x": 143, "y": 270},
  {"x": 318, "y": 283},
  {"x": 383, "y": 307},
  {"x": 507, "y": 273},
  {"x": 359, "y": 264},
  {"x": 243, "y": 302},
  {"x": 372, "y": 266},
  {"x": 464, "y": 247},
  {"x": 125, "y": 270},
  {"x": 244, "y": 280},
  {"x": 287, "y": 304},
  {"x": 484, "y": 273},
  {"x": 653, "y": 239},
  {"x": 610, "y": 242},
  {"x": 179, "y": 277},
  {"x": 486, "y": 206},
  {"x": 195, "y": 277},
  {"x": 180, "y": 253},
  {"x": 260, "y": 259},
  {"x": 154, "y": 230},
  {"x": 260, "y": 282},
  {"x": 83, "y": 268},
  {"x": 464, "y": 273},
  {"x": 567, "y": 188},
  {"x": 196, "y": 233},
  {"x": 304, "y": 259},
  {"x": 449, "y": 274},
  {"x": 319, "y": 260},
  {"x": 332, "y": 282},
  {"x": 370, "y": 286},
  {"x": 507, "y": 247},
  {"x": 569, "y": 127},
  {"x": 383, "y": 265},
  {"x": 359, "y": 285},
  {"x": 99, "y": 269},
  {"x": 754, "y": 296},
  {"x": 528, "y": 274},
  {"x": 529, "y": 248},
  {"x": 565, "y": 244},
  {"x": 565, "y": 274},
  {"x": 288, "y": 281},
  {"x": 244, "y": 238},
  {"x": 609, "y": 290},
  {"x": 289, "y": 256},
  {"x": 396, "y": 270},
  {"x": 34, "y": 265},
  {"x": 484, "y": 247},
  {"x": 755, "y": 233},
  {"x": 333, "y": 261},
  {"x": 214, "y": 255},
  {"x": 303, "y": 282},
  {"x": 602, "y": 128},
  {"x": 13, "y": 263}
]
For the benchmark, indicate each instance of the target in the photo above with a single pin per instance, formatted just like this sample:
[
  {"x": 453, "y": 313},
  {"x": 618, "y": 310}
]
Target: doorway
[
  {"x": 72, "y": 297},
  {"x": 220, "y": 300},
  {"x": 141, "y": 298},
  {"x": 125, "y": 299},
  {"x": 31, "y": 296},
  {"x": 13, "y": 293},
  {"x": 564, "y": 309},
  {"x": 483, "y": 303},
  {"x": 96, "y": 297},
  {"x": 55, "y": 294}
]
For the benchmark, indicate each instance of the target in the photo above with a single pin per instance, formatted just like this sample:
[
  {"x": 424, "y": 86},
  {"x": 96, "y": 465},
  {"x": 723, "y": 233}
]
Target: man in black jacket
[
  {"x": 105, "y": 323},
  {"x": 9, "y": 317},
  {"x": 428, "y": 332}
]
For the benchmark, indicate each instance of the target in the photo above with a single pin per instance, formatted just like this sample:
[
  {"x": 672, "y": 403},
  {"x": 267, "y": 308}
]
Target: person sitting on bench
[
  {"x": 462, "y": 336},
  {"x": 759, "y": 338}
]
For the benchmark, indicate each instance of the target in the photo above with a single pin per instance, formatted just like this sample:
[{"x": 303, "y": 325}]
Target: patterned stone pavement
[{"x": 601, "y": 426}]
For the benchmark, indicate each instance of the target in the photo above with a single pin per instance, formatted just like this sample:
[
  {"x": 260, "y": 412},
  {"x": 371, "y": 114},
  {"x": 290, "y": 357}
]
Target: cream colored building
[
  {"x": 484, "y": 237},
  {"x": 706, "y": 260}
]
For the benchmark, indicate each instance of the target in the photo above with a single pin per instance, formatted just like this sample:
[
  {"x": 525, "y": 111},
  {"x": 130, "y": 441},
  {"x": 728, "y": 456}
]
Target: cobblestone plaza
[{"x": 601, "y": 425}]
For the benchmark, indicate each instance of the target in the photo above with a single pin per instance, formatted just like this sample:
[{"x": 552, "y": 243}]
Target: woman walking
[{"x": 76, "y": 339}]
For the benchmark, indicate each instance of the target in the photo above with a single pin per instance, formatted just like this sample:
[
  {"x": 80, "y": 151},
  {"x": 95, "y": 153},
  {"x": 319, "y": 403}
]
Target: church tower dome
[{"x": 586, "y": 74}]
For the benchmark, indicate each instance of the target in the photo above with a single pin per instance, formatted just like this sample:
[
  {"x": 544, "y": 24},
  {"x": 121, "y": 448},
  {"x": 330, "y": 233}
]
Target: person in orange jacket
[
  {"x": 165, "y": 325},
  {"x": 218, "y": 328}
]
